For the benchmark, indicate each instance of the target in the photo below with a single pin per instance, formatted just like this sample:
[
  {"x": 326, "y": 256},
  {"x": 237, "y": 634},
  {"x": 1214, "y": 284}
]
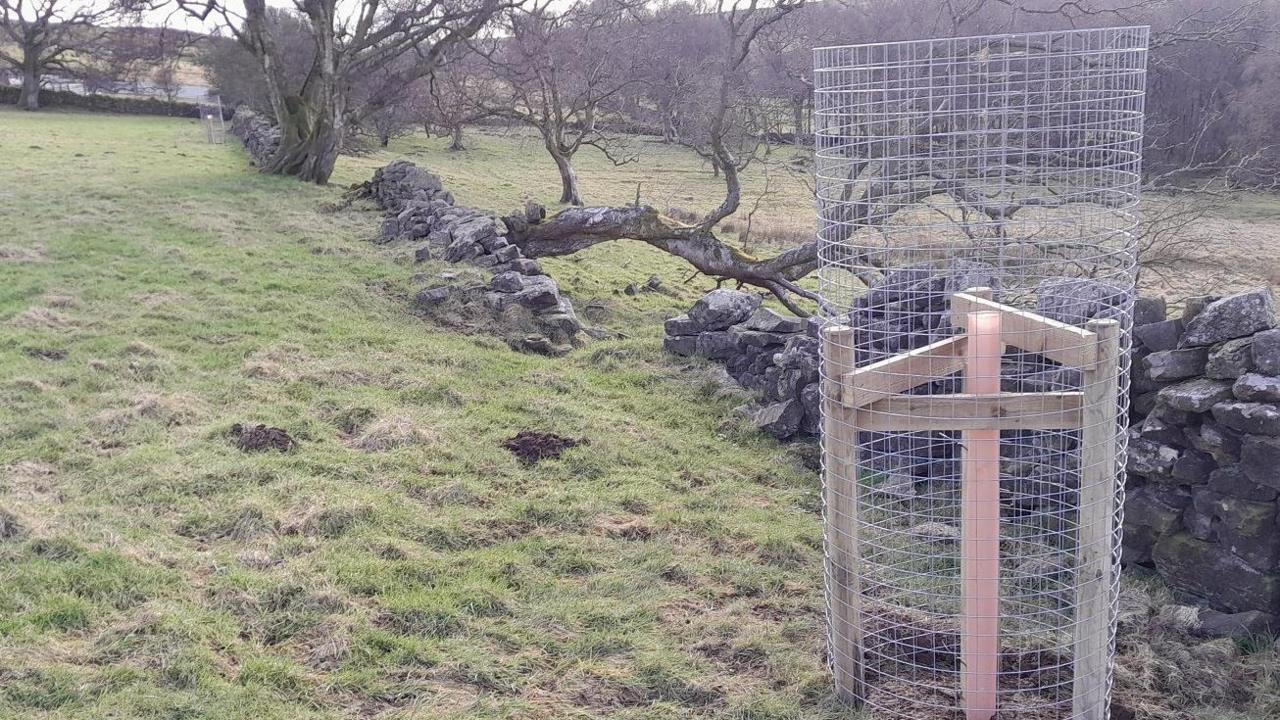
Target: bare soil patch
[
  {"x": 531, "y": 446},
  {"x": 261, "y": 438}
]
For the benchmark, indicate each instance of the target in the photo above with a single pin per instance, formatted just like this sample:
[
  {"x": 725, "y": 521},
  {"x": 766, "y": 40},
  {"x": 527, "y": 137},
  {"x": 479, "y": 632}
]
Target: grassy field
[{"x": 400, "y": 563}]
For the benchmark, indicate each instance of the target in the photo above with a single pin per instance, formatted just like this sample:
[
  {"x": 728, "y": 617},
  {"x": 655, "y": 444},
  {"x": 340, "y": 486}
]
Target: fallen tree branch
[{"x": 576, "y": 229}]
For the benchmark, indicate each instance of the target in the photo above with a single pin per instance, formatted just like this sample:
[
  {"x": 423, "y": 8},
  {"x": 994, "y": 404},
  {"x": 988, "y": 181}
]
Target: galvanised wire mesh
[
  {"x": 211, "y": 120},
  {"x": 1008, "y": 162}
]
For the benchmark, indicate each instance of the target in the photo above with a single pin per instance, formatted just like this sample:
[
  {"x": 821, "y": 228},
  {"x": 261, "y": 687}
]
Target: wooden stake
[
  {"x": 840, "y": 464},
  {"x": 1097, "y": 509},
  {"x": 980, "y": 527}
]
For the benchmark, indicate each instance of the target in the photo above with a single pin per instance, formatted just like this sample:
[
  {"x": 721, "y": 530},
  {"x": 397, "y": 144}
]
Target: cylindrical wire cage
[{"x": 970, "y": 186}]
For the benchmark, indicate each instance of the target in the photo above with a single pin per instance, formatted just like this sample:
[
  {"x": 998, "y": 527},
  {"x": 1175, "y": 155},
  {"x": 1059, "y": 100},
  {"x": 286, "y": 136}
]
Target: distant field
[
  {"x": 155, "y": 291},
  {"x": 1235, "y": 247}
]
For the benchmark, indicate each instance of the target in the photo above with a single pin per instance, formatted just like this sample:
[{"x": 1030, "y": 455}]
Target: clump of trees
[
  {"x": 349, "y": 45},
  {"x": 726, "y": 79},
  {"x": 583, "y": 73},
  {"x": 39, "y": 37}
]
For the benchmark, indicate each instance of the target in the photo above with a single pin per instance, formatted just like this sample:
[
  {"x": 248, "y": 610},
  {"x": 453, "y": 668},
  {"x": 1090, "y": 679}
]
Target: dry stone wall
[
  {"x": 1203, "y": 490},
  {"x": 503, "y": 290},
  {"x": 1204, "y": 452},
  {"x": 775, "y": 356},
  {"x": 259, "y": 135}
]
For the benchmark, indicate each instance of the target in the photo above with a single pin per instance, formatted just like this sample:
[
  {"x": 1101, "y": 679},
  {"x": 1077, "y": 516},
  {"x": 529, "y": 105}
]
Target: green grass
[{"x": 156, "y": 291}]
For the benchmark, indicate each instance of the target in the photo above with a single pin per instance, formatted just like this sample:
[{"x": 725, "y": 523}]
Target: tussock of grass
[
  {"x": 1164, "y": 670},
  {"x": 17, "y": 254},
  {"x": 165, "y": 410},
  {"x": 391, "y": 433},
  {"x": 38, "y": 318}
]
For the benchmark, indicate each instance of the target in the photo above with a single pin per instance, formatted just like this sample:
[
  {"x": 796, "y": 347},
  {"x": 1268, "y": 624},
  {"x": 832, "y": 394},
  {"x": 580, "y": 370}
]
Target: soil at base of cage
[{"x": 930, "y": 647}]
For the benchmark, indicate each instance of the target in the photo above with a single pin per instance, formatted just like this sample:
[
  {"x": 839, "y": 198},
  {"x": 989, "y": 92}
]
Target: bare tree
[
  {"x": 42, "y": 36},
  {"x": 350, "y": 42},
  {"x": 162, "y": 55},
  {"x": 121, "y": 60},
  {"x": 721, "y": 138},
  {"x": 458, "y": 93},
  {"x": 237, "y": 75},
  {"x": 555, "y": 70},
  {"x": 680, "y": 42},
  {"x": 381, "y": 103}
]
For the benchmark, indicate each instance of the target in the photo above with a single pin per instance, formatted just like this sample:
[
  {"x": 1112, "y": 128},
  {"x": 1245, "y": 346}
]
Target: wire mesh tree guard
[
  {"x": 977, "y": 213},
  {"x": 211, "y": 120}
]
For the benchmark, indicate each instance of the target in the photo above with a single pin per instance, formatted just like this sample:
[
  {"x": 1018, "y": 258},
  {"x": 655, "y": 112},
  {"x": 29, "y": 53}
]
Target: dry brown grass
[
  {"x": 168, "y": 410},
  {"x": 1163, "y": 668},
  {"x": 391, "y": 433},
  {"x": 137, "y": 347},
  {"x": 625, "y": 526},
  {"x": 158, "y": 299},
  {"x": 61, "y": 301},
  {"x": 39, "y": 318},
  {"x": 277, "y": 364},
  {"x": 20, "y": 254}
]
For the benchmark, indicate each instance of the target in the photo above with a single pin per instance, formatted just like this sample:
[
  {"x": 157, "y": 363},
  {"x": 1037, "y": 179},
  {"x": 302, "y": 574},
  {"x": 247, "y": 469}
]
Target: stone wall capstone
[
  {"x": 517, "y": 295},
  {"x": 1203, "y": 489}
]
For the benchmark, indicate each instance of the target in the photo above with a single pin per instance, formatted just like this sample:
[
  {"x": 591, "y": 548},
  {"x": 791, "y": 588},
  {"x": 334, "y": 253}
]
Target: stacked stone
[
  {"x": 422, "y": 213},
  {"x": 763, "y": 351},
  {"x": 1203, "y": 503},
  {"x": 911, "y": 307},
  {"x": 260, "y": 136},
  {"x": 1204, "y": 452}
]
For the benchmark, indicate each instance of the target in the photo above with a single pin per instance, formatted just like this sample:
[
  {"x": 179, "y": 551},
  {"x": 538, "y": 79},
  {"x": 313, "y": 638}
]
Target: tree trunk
[
  {"x": 568, "y": 177},
  {"x": 310, "y": 136},
  {"x": 667, "y": 110},
  {"x": 455, "y": 138},
  {"x": 29, "y": 98},
  {"x": 797, "y": 115},
  {"x": 311, "y": 120}
]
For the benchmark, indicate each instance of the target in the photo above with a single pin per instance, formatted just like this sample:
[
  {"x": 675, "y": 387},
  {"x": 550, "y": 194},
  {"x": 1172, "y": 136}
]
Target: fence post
[
  {"x": 840, "y": 465},
  {"x": 1095, "y": 567}
]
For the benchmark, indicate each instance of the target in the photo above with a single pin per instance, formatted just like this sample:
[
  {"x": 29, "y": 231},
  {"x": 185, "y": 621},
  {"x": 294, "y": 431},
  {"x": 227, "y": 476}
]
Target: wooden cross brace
[{"x": 873, "y": 398}]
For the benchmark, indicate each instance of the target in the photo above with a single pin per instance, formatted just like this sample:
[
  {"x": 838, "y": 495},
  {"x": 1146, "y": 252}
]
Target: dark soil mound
[
  {"x": 10, "y": 526},
  {"x": 531, "y": 446},
  {"x": 260, "y": 438}
]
